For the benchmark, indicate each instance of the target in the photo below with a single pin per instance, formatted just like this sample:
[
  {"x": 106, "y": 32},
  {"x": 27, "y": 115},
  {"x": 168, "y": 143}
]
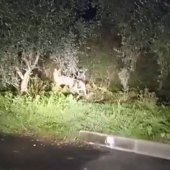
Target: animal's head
[
  {"x": 57, "y": 72},
  {"x": 81, "y": 74}
]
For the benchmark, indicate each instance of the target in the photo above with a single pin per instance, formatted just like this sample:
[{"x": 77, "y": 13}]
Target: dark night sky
[{"x": 89, "y": 13}]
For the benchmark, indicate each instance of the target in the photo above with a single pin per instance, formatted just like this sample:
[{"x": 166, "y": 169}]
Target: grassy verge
[{"x": 56, "y": 115}]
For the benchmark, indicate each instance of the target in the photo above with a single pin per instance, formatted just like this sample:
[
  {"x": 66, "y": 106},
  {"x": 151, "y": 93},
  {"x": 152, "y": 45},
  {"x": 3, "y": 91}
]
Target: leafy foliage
[
  {"x": 56, "y": 26},
  {"x": 34, "y": 31},
  {"x": 144, "y": 27},
  {"x": 38, "y": 27}
]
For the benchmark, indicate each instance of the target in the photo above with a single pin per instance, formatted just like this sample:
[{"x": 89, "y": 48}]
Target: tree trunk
[{"x": 24, "y": 83}]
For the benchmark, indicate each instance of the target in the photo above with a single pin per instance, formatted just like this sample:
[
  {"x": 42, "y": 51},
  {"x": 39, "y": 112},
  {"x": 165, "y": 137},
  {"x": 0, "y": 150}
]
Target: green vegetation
[
  {"x": 52, "y": 115},
  {"x": 126, "y": 45}
]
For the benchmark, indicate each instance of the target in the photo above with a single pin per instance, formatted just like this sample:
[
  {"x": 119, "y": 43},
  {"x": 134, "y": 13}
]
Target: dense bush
[
  {"x": 30, "y": 29},
  {"x": 144, "y": 27}
]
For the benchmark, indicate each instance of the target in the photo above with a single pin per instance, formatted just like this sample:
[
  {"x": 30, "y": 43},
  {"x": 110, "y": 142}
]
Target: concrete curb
[{"x": 154, "y": 149}]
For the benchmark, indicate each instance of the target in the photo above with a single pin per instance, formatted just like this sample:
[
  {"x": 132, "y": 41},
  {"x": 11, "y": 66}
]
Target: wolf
[{"x": 76, "y": 85}]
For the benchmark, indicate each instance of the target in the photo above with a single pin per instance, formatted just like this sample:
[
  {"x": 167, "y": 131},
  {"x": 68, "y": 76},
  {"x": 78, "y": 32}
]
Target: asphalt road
[{"x": 24, "y": 153}]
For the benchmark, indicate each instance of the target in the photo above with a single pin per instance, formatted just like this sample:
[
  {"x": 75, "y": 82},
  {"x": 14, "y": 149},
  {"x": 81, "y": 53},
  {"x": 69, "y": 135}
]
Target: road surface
[{"x": 25, "y": 153}]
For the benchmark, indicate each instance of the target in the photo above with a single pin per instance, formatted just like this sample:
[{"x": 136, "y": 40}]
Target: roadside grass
[{"x": 59, "y": 116}]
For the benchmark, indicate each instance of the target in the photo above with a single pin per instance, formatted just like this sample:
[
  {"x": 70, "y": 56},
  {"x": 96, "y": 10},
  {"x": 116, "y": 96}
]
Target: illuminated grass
[{"x": 64, "y": 116}]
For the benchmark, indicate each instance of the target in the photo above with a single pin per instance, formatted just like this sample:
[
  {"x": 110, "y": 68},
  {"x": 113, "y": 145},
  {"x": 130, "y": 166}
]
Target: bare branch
[
  {"x": 26, "y": 62},
  {"x": 36, "y": 61},
  {"x": 19, "y": 73}
]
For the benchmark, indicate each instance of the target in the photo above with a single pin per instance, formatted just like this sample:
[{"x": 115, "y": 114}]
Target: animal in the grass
[
  {"x": 81, "y": 74},
  {"x": 76, "y": 85}
]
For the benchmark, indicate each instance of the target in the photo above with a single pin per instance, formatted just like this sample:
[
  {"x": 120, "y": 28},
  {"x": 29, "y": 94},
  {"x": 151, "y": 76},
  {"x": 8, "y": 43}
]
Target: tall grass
[{"x": 57, "y": 115}]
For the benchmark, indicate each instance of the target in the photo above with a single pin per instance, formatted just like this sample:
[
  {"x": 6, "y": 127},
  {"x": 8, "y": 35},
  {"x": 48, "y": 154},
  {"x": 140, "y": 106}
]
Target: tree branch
[
  {"x": 36, "y": 61},
  {"x": 19, "y": 73},
  {"x": 26, "y": 62}
]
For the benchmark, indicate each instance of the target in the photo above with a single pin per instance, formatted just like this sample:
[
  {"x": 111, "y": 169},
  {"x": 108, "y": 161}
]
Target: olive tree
[
  {"x": 143, "y": 25},
  {"x": 30, "y": 29}
]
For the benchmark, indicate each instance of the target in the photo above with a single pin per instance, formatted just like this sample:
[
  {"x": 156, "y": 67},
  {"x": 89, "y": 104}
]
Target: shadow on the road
[{"x": 23, "y": 153}]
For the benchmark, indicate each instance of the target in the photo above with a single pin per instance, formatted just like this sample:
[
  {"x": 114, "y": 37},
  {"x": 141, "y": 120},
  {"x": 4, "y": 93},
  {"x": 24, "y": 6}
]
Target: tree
[
  {"x": 30, "y": 29},
  {"x": 143, "y": 25}
]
